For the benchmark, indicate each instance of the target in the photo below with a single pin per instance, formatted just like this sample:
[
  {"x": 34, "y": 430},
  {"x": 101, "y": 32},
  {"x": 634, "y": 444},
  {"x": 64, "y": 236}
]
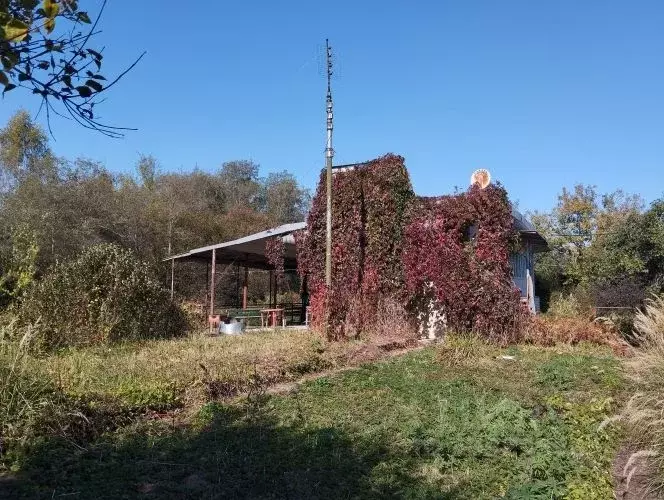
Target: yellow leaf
[
  {"x": 16, "y": 31},
  {"x": 51, "y": 8},
  {"x": 50, "y": 26}
]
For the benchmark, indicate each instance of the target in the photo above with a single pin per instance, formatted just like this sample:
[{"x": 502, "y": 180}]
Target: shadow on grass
[{"x": 228, "y": 456}]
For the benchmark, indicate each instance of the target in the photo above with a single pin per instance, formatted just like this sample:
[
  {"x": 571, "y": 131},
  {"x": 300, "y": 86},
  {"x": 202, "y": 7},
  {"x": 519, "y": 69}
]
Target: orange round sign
[{"x": 481, "y": 177}]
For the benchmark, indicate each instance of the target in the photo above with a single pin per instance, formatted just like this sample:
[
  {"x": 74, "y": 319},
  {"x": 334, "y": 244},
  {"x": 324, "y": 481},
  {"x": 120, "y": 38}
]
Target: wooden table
[{"x": 269, "y": 317}]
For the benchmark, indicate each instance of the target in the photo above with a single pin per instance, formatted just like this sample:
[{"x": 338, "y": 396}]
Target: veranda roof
[{"x": 249, "y": 250}]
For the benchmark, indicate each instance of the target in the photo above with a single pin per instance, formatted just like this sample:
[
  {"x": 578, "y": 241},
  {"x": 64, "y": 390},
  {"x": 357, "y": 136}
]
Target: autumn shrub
[
  {"x": 547, "y": 330},
  {"x": 105, "y": 295}
]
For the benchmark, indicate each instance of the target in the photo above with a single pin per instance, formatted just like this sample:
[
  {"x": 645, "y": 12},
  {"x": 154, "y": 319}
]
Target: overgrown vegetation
[
  {"x": 105, "y": 295},
  {"x": 53, "y": 208},
  {"x": 370, "y": 210},
  {"x": 78, "y": 394},
  {"x": 416, "y": 426},
  {"x": 390, "y": 245},
  {"x": 456, "y": 257},
  {"x": 606, "y": 258},
  {"x": 644, "y": 413}
]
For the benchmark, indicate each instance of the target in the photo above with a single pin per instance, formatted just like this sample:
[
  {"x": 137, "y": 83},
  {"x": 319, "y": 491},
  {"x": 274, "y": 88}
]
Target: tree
[
  {"x": 24, "y": 152},
  {"x": 283, "y": 198},
  {"x": 239, "y": 184},
  {"x": 577, "y": 214},
  {"x": 596, "y": 241},
  {"x": 44, "y": 49}
]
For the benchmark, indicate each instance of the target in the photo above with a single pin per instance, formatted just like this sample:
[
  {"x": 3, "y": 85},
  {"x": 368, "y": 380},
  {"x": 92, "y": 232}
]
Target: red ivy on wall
[
  {"x": 389, "y": 243},
  {"x": 458, "y": 246},
  {"x": 369, "y": 211}
]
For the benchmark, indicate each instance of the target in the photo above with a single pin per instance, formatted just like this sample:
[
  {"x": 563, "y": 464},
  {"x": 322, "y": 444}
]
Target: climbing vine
[
  {"x": 370, "y": 206},
  {"x": 457, "y": 249},
  {"x": 275, "y": 254},
  {"x": 447, "y": 256}
]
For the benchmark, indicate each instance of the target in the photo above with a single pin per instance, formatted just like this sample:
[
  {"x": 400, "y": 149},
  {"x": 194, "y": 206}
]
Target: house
[
  {"x": 523, "y": 261},
  {"x": 250, "y": 252}
]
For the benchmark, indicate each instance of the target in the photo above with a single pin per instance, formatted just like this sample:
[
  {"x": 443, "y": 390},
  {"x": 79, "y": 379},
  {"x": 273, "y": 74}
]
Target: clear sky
[{"x": 543, "y": 93}]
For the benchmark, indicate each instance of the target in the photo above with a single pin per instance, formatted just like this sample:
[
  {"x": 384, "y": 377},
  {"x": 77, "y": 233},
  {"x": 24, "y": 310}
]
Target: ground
[{"x": 464, "y": 421}]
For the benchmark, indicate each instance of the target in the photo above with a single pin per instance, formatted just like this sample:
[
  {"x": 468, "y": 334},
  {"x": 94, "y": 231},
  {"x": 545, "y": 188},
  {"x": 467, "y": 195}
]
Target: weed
[{"x": 460, "y": 349}]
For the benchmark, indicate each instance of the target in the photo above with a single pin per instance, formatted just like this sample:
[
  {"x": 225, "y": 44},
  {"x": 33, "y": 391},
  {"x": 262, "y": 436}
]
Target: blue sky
[{"x": 542, "y": 93}]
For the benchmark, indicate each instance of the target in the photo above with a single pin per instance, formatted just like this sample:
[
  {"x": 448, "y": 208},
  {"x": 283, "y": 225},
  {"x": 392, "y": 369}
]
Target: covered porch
[{"x": 248, "y": 256}]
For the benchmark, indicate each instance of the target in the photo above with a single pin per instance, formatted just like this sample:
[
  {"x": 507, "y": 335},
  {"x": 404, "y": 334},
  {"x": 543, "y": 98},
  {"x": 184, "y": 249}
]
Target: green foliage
[
  {"x": 20, "y": 271},
  {"x": 403, "y": 428},
  {"x": 136, "y": 394},
  {"x": 105, "y": 295},
  {"x": 606, "y": 251}
]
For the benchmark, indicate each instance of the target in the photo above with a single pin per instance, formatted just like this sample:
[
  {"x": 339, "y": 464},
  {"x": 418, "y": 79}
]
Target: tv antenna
[{"x": 329, "y": 154}]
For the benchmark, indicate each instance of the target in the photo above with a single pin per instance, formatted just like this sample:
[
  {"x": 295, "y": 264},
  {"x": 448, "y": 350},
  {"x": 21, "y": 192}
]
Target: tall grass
[
  {"x": 24, "y": 396},
  {"x": 644, "y": 414}
]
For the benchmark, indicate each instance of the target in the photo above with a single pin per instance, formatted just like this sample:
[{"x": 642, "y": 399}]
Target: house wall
[{"x": 523, "y": 273}]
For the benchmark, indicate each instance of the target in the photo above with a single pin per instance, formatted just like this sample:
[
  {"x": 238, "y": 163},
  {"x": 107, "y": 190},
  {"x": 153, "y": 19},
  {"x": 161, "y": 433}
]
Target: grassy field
[{"x": 453, "y": 422}]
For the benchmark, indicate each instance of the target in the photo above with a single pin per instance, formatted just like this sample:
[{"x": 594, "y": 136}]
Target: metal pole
[
  {"x": 172, "y": 278},
  {"x": 245, "y": 286},
  {"x": 270, "y": 301},
  {"x": 329, "y": 153}
]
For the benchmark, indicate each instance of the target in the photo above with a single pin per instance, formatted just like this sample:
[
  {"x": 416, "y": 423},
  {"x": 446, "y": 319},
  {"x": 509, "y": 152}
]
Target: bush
[
  {"x": 552, "y": 330},
  {"x": 105, "y": 295}
]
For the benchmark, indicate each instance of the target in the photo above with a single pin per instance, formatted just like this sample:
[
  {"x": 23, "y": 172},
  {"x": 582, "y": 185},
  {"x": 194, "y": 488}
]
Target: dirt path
[{"x": 381, "y": 353}]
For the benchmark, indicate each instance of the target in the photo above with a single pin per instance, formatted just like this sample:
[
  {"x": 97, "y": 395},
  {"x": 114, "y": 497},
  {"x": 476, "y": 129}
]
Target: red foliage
[
  {"x": 369, "y": 211},
  {"x": 274, "y": 251},
  {"x": 389, "y": 245},
  {"x": 548, "y": 331},
  {"x": 458, "y": 246}
]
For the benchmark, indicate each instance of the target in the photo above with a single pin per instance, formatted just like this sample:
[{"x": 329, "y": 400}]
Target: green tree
[
  {"x": 283, "y": 198},
  {"x": 24, "y": 153},
  {"x": 21, "y": 268}
]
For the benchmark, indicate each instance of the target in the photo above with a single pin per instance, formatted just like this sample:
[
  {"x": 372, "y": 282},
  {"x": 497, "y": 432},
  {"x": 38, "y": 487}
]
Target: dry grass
[
  {"x": 555, "y": 330},
  {"x": 644, "y": 414},
  {"x": 463, "y": 350},
  {"x": 184, "y": 369}
]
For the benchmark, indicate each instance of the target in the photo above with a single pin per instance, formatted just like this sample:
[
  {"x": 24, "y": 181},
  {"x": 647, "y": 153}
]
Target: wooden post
[
  {"x": 207, "y": 287},
  {"x": 212, "y": 279},
  {"x": 270, "y": 299},
  {"x": 172, "y": 278},
  {"x": 245, "y": 287}
]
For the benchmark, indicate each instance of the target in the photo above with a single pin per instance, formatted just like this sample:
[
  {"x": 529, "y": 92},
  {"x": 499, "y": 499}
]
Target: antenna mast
[{"x": 329, "y": 153}]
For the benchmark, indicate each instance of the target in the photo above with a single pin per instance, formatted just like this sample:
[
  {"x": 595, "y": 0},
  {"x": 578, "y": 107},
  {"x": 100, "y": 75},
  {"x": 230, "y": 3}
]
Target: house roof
[
  {"x": 529, "y": 232},
  {"x": 248, "y": 250}
]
